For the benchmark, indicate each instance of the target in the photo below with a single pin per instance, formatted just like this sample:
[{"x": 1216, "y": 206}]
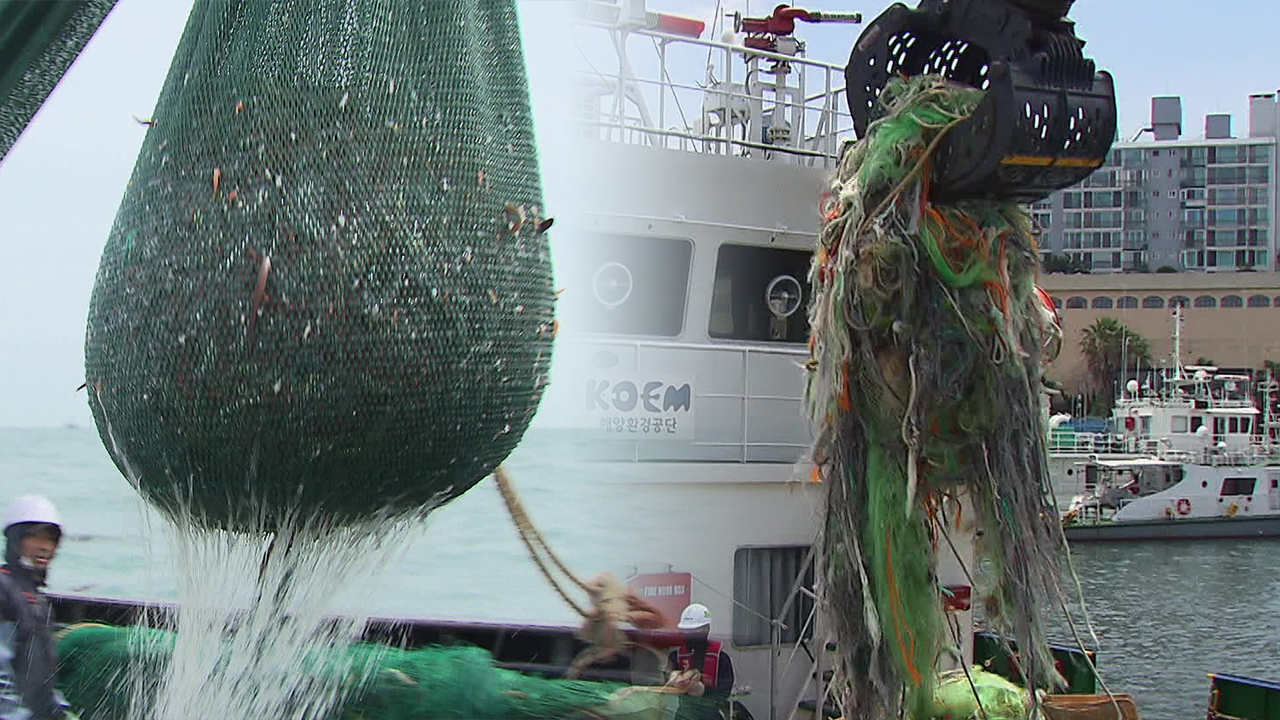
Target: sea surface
[{"x": 1166, "y": 613}]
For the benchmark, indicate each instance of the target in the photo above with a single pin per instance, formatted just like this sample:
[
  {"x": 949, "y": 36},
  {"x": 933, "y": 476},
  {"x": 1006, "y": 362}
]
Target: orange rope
[
  {"x": 846, "y": 399},
  {"x": 907, "y": 654}
]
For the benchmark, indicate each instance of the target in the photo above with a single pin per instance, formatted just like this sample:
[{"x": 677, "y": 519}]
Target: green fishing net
[
  {"x": 105, "y": 670},
  {"x": 326, "y": 292},
  {"x": 928, "y": 340},
  {"x": 39, "y": 40}
]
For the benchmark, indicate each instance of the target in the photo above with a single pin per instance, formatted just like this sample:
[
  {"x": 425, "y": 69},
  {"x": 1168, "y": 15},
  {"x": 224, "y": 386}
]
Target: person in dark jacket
[
  {"x": 28, "y": 657},
  {"x": 700, "y": 652}
]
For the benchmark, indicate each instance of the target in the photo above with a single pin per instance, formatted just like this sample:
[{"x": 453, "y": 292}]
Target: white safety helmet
[
  {"x": 695, "y": 617},
  {"x": 32, "y": 509}
]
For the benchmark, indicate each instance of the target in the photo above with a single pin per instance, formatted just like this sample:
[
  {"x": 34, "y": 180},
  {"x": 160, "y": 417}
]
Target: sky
[{"x": 61, "y": 184}]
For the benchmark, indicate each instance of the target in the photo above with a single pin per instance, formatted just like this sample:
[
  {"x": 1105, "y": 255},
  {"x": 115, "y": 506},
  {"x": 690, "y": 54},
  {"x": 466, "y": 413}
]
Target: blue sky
[{"x": 62, "y": 183}]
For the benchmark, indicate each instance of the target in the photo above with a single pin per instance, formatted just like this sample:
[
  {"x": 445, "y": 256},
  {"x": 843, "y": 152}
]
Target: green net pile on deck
[
  {"x": 325, "y": 291},
  {"x": 384, "y": 683},
  {"x": 925, "y": 383}
]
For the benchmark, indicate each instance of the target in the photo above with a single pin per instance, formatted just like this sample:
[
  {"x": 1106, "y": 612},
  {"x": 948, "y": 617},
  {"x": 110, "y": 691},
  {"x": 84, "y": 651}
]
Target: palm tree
[{"x": 1107, "y": 345}]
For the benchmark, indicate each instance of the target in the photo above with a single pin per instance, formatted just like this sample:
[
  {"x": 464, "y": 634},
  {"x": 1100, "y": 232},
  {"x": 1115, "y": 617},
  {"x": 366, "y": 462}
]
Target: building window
[
  {"x": 638, "y": 285},
  {"x": 760, "y": 294},
  {"x": 1076, "y": 303},
  {"x": 1206, "y": 301},
  {"x": 1128, "y": 302},
  {"x": 1259, "y": 301},
  {"x": 1232, "y": 301},
  {"x": 1152, "y": 302},
  {"x": 1102, "y": 303},
  {"x": 1179, "y": 301},
  {"x": 762, "y": 581},
  {"x": 1057, "y": 303}
]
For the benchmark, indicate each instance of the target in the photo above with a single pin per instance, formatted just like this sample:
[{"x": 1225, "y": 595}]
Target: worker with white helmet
[
  {"x": 700, "y": 652},
  {"x": 28, "y": 657}
]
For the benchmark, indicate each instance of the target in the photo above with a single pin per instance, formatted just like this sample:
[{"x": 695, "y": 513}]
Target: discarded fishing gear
[
  {"x": 924, "y": 386},
  {"x": 106, "y": 670}
]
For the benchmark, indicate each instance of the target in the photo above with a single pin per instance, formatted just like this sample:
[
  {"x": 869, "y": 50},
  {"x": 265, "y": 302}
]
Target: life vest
[{"x": 710, "y": 662}]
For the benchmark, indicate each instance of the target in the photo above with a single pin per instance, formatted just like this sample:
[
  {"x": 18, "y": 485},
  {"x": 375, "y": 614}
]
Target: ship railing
[
  {"x": 741, "y": 106},
  {"x": 1089, "y": 443},
  {"x": 747, "y": 445}
]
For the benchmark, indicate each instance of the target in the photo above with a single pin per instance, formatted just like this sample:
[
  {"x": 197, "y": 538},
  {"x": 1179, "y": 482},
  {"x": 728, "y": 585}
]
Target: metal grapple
[{"x": 1048, "y": 117}]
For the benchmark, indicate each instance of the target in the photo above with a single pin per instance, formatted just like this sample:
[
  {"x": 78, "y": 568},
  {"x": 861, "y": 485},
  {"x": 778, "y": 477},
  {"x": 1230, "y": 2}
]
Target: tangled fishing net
[
  {"x": 927, "y": 341},
  {"x": 326, "y": 292},
  {"x": 384, "y": 683}
]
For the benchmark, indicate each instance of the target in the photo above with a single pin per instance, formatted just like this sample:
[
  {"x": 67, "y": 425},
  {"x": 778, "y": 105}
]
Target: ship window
[
  {"x": 1238, "y": 486},
  {"x": 760, "y": 294},
  {"x": 1178, "y": 424},
  {"x": 763, "y": 578},
  {"x": 626, "y": 284},
  {"x": 1246, "y": 425},
  {"x": 1197, "y": 422},
  {"x": 1233, "y": 425}
]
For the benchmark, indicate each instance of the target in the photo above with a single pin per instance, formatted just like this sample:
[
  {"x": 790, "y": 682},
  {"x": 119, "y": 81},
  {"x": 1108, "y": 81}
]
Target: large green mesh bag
[
  {"x": 39, "y": 40},
  {"x": 325, "y": 292},
  {"x": 103, "y": 668}
]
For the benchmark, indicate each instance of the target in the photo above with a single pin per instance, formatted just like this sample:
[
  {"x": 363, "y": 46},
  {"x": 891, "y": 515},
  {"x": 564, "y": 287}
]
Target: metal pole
[{"x": 775, "y": 641}]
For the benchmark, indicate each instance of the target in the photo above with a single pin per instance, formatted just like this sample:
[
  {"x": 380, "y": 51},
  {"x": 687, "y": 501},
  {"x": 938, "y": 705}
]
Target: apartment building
[{"x": 1164, "y": 201}]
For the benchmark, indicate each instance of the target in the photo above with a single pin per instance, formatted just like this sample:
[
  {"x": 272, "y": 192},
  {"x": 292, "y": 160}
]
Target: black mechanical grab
[{"x": 1048, "y": 118}]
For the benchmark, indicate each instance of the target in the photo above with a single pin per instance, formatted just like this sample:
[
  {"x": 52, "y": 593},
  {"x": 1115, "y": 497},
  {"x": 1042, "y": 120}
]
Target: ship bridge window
[
  {"x": 762, "y": 581},
  {"x": 760, "y": 294},
  {"x": 626, "y": 284},
  {"x": 1238, "y": 486}
]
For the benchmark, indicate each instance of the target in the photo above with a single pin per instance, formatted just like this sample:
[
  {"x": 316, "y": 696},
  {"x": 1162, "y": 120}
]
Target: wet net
[
  {"x": 38, "y": 43},
  {"x": 326, "y": 291},
  {"x": 929, "y": 341},
  {"x": 106, "y": 670}
]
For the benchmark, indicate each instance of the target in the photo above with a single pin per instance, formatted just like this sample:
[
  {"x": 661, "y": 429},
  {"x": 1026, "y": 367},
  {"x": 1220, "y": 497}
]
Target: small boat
[{"x": 1160, "y": 499}]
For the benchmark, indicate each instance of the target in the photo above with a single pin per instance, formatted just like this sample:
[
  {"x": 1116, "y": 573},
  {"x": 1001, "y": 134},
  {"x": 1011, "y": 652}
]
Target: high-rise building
[{"x": 1206, "y": 204}]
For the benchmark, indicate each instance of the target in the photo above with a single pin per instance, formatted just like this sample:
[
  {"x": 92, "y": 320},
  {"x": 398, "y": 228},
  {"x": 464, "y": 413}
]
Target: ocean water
[
  {"x": 465, "y": 562},
  {"x": 1166, "y": 613}
]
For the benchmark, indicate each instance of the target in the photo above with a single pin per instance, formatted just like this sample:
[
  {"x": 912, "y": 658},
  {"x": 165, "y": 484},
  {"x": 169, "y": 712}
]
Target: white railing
[{"x": 746, "y": 102}]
